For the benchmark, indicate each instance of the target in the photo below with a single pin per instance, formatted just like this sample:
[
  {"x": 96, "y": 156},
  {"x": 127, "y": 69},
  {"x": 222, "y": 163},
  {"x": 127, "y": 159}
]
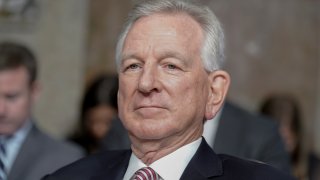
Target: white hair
[{"x": 212, "y": 53}]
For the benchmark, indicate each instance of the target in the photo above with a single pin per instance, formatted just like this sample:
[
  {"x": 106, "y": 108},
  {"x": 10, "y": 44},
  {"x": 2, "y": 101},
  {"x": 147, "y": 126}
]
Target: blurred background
[{"x": 272, "y": 47}]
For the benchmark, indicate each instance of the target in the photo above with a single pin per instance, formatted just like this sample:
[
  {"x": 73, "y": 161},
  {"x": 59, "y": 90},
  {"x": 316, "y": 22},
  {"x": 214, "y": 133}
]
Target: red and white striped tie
[{"x": 146, "y": 173}]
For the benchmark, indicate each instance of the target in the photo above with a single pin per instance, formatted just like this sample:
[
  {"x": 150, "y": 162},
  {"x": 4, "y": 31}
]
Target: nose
[{"x": 149, "y": 80}]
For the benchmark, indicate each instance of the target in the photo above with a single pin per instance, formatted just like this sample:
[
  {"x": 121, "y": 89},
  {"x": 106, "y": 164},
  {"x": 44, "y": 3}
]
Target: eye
[
  {"x": 132, "y": 67},
  {"x": 171, "y": 66},
  {"x": 12, "y": 97}
]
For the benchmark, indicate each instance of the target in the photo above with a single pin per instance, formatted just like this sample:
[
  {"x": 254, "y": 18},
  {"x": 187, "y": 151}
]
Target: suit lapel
[
  {"x": 204, "y": 164},
  {"x": 115, "y": 170},
  {"x": 26, "y": 155}
]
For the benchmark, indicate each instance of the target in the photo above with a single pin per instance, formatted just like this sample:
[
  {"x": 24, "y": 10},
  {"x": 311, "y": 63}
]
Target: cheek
[
  {"x": 21, "y": 108},
  {"x": 126, "y": 88},
  {"x": 193, "y": 92},
  {"x": 120, "y": 104}
]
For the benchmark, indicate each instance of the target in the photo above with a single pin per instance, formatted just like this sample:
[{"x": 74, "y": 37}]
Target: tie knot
[{"x": 146, "y": 173}]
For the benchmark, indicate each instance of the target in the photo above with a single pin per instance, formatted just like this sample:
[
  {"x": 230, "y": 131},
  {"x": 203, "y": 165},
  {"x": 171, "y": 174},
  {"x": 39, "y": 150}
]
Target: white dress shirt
[
  {"x": 210, "y": 129},
  {"x": 13, "y": 145},
  {"x": 168, "y": 167}
]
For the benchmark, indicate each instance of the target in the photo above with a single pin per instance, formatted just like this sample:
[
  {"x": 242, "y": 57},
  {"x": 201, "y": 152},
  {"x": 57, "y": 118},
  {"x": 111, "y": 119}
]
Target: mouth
[
  {"x": 150, "y": 112},
  {"x": 149, "y": 107}
]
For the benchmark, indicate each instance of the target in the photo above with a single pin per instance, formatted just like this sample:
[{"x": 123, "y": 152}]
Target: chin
[
  {"x": 6, "y": 131},
  {"x": 152, "y": 133},
  {"x": 149, "y": 128}
]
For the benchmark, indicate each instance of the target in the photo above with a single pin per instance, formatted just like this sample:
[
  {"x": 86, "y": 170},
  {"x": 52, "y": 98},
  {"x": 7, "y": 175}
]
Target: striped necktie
[
  {"x": 2, "y": 156},
  {"x": 146, "y": 173}
]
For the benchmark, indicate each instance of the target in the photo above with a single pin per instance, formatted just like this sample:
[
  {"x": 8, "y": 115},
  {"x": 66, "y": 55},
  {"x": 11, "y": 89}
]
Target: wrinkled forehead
[{"x": 166, "y": 31}]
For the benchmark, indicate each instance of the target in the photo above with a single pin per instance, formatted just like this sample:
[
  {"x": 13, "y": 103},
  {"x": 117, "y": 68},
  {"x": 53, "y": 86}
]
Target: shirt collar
[
  {"x": 211, "y": 128},
  {"x": 14, "y": 143},
  {"x": 167, "y": 167}
]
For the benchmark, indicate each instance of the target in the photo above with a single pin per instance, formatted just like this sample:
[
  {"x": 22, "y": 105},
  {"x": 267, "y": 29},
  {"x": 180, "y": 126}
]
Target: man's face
[
  {"x": 163, "y": 86},
  {"x": 16, "y": 97}
]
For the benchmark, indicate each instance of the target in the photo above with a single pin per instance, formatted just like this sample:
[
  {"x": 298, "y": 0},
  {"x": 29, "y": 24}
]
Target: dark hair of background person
[
  {"x": 101, "y": 92},
  {"x": 284, "y": 108},
  {"x": 286, "y": 111},
  {"x": 13, "y": 55}
]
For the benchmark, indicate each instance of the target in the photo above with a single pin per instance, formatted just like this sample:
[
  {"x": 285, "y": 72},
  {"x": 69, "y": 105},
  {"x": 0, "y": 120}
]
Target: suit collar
[
  {"x": 27, "y": 152},
  {"x": 114, "y": 168},
  {"x": 204, "y": 164}
]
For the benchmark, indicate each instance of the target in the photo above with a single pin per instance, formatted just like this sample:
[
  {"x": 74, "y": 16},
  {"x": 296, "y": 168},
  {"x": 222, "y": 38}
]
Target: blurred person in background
[
  {"x": 285, "y": 110},
  {"x": 240, "y": 133},
  {"x": 99, "y": 126},
  {"x": 25, "y": 151}
]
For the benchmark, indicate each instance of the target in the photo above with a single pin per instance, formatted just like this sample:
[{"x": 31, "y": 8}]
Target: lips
[
  {"x": 150, "y": 112},
  {"x": 148, "y": 107},
  {"x": 151, "y": 104}
]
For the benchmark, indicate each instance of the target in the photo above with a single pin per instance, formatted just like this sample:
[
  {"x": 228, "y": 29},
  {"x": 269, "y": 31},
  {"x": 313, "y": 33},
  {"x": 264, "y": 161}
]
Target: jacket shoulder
[
  {"x": 243, "y": 169},
  {"x": 54, "y": 147},
  {"x": 252, "y": 120},
  {"x": 88, "y": 167}
]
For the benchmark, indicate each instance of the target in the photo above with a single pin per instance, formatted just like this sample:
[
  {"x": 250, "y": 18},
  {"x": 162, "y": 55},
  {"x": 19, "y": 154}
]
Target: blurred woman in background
[
  {"x": 98, "y": 110},
  {"x": 286, "y": 111}
]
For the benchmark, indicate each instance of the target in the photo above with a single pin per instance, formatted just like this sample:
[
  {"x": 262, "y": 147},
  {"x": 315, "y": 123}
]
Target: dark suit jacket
[
  {"x": 250, "y": 136},
  {"x": 205, "y": 164},
  {"x": 40, "y": 155}
]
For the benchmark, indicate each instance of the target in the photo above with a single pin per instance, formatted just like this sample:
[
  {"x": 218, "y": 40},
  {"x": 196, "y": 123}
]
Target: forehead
[
  {"x": 162, "y": 35},
  {"x": 162, "y": 27},
  {"x": 13, "y": 78}
]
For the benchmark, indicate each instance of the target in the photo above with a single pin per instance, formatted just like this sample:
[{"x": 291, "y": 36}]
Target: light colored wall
[
  {"x": 316, "y": 126},
  {"x": 58, "y": 38},
  {"x": 105, "y": 21},
  {"x": 273, "y": 47}
]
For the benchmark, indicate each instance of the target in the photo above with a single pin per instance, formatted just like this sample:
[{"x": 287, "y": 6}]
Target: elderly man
[
  {"x": 169, "y": 57},
  {"x": 25, "y": 151}
]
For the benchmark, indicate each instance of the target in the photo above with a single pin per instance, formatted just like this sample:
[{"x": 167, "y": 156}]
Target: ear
[
  {"x": 219, "y": 82},
  {"x": 35, "y": 90}
]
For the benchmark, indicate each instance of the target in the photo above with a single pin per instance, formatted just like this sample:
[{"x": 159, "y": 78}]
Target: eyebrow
[
  {"x": 182, "y": 59},
  {"x": 165, "y": 54},
  {"x": 161, "y": 55},
  {"x": 127, "y": 56}
]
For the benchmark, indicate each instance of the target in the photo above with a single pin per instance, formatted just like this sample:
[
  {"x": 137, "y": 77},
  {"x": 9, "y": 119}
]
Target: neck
[{"x": 149, "y": 151}]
